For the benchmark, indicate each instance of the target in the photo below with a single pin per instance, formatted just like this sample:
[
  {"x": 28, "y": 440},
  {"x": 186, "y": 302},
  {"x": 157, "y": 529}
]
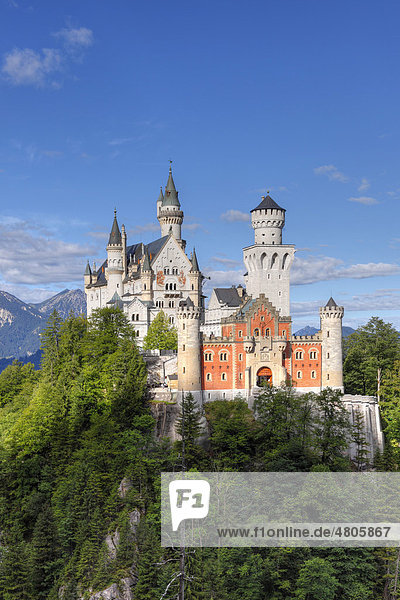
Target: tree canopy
[{"x": 161, "y": 334}]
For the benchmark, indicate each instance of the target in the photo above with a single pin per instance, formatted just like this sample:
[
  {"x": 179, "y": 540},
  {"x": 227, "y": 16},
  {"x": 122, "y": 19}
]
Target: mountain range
[
  {"x": 21, "y": 323},
  {"x": 308, "y": 330}
]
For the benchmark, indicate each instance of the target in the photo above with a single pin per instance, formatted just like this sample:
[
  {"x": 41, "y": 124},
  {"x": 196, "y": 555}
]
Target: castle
[{"x": 243, "y": 340}]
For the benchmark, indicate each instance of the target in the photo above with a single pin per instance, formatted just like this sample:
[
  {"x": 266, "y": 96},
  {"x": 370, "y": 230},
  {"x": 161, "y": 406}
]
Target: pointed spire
[
  {"x": 161, "y": 196},
  {"x": 146, "y": 263},
  {"x": 195, "y": 264},
  {"x": 331, "y": 303},
  {"x": 88, "y": 270},
  {"x": 171, "y": 195},
  {"x": 115, "y": 235}
]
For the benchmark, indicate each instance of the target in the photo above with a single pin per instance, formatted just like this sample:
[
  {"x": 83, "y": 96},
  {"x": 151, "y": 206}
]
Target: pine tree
[
  {"x": 161, "y": 334},
  {"x": 188, "y": 426},
  {"x": 50, "y": 345},
  {"x": 43, "y": 563}
]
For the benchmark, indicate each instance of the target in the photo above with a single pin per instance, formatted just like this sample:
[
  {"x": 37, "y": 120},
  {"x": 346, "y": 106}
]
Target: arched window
[
  {"x": 274, "y": 261},
  {"x": 256, "y": 332},
  {"x": 208, "y": 377},
  {"x": 223, "y": 356},
  {"x": 223, "y": 377},
  {"x": 208, "y": 356},
  {"x": 240, "y": 357},
  {"x": 285, "y": 261},
  {"x": 299, "y": 355},
  {"x": 264, "y": 261},
  {"x": 299, "y": 375},
  {"x": 240, "y": 333},
  {"x": 171, "y": 320},
  {"x": 313, "y": 355},
  {"x": 313, "y": 375},
  {"x": 267, "y": 332}
]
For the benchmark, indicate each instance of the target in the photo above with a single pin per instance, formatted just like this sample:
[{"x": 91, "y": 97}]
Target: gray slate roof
[
  {"x": 228, "y": 296},
  {"x": 171, "y": 195},
  {"x": 268, "y": 202},
  {"x": 331, "y": 303},
  {"x": 115, "y": 235}
]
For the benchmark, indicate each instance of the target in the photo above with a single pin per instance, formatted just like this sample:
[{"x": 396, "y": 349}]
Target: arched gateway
[{"x": 264, "y": 377}]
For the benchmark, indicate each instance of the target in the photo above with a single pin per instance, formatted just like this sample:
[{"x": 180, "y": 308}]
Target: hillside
[{"x": 21, "y": 323}]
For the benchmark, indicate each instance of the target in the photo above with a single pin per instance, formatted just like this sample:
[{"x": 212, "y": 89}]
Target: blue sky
[{"x": 297, "y": 97}]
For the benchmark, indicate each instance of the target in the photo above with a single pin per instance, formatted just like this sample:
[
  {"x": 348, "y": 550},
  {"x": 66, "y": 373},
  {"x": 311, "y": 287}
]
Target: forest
[{"x": 80, "y": 473}]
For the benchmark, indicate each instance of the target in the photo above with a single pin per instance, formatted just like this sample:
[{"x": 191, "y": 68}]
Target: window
[
  {"x": 208, "y": 356},
  {"x": 145, "y": 286},
  {"x": 240, "y": 333},
  {"x": 284, "y": 333},
  {"x": 327, "y": 377},
  {"x": 174, "y": 271},
  {"x": 160, "y": 303},
  {"x": 327, "y": 333},
  {"x": 135, "y": 317},
  {"x": 171, "y": 304},
  {"x": 313, "y": 374},
  {"x": 327, "y": 355},
  {"x": 183, "y": 369},
  {"x": 267, "y": 332},
  {"x": 299, "y": 375},
  {"x": 240, "y": 376},
  {"x": 240, "y": 356},
  {"x": 223, "y": 356},
  {"x": 183, "y": 326},
  {"x": 183, "y": 347},
  {"x": 262, "y": 318},
  {"x": 171, "y": 320},
  {"x": 223, "y": 376},
  {"x": 208, "y": 377},
  {"x": 166, "y": 271},
  {"x": 313, "y": 354},
  {"x": 299, "y": 354},
  {"x": 137, "y": 333},
  {"x": 256, "y": 332}
]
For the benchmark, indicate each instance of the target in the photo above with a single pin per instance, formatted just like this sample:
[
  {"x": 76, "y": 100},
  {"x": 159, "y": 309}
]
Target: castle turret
[
  {"x": 169, "y": 212},
  {"x": 147, "y": 279},
  {"x": 124, "y": 261},
  {"x": 115, "y": 268},
  {"x": 195, "y": 279},
  {"x": 332, "y": 359},
  {"x": 88, "y": 275},
  {"x": 268, "y": 261},
  {"x": 189, "y": 343}
]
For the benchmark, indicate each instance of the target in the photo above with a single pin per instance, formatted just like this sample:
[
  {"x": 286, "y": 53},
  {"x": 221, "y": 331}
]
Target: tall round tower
[
  {"x": 169, "y": 212},
  {"x": 189, "y": 344},
  {"x": 268, "y": 261},
  {"x": 115, "y": 263},
  {"x": 332, "y": 356},
  {"x": 268, "y": 220}
]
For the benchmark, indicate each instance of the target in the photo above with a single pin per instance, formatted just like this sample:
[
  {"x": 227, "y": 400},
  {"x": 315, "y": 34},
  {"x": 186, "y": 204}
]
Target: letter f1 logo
[{"x": 189, "y": 499}]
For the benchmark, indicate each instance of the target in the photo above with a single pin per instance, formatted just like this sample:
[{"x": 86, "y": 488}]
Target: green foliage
[
  {"x": 14, "y": 378},
  {"x": 316, "y": 580},
  {"x": 233, "y": 431},
  {"x": 189, "y": 428},
  {"x": 370, "y": 350},
  {"x": 161, "y": 334}
]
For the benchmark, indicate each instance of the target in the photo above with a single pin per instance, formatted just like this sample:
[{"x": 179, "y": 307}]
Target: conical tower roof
[
  {"x": 115, "y": 238},
  {"x": 146, "y": 263},
  {"x": 268, "y": 202},
  {"x": 195, "y": 264},
  {"x": 331, "y": 303},
  {"x": 88, "y": 270},
  {"x": 161, "y": 196},
  {"x": 171, "y": 195}
]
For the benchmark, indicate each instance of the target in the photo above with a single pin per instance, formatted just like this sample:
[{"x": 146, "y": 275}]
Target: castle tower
[
  {"x": 115, "y": 269},
  {"x": 268, "y": 261},
  {"x": 88, "y": 275},
  {"x": 332, "y": 360},
  {"x": 124, "y": 262},
  {"x": 147, "y": 279},
  {"x": 169, "y": 212},
  {"x": 195, "y": 278},
  {"x": 189, "y": 343}
]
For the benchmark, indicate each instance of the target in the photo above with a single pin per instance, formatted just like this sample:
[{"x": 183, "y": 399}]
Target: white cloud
[
  {"x": 378, "y": 301},
  {"x": 365, "y": 185},
  {"x": 226, "y": 261},
  {"x": 144, "y": 228},
  {"x": 366, "y": 200},
  {"x": 98, "y": 235},
  {"x": 192, "y": 226},
  {"x": 81, "y": 37},
  {"x": 25, "y": 66},
  {"x": 120, "y": 141},
  {"x": 325, "y": 268},
  {"x": 234, "y": 216},
  {"x": 28, "y": 67},
  {"x": 29, "y": 257},
  {"x": 332, "y": 173}
]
